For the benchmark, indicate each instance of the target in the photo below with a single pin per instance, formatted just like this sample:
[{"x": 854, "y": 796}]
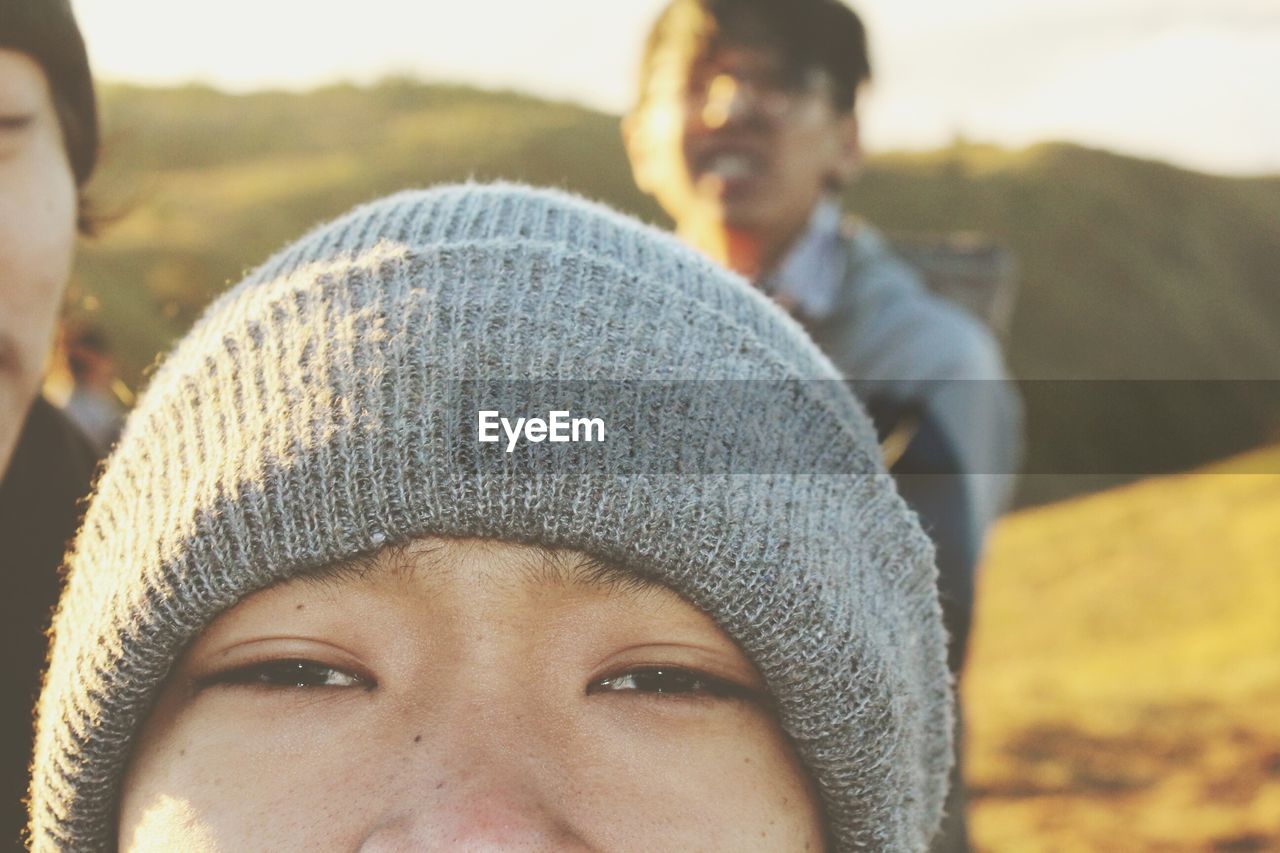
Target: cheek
[
  {"x": 622, "y": 780},
  {"x": 808, "y": 161},
  {"x": 732, "y": 787},
  {"x": 37, "y": 223},
  {"x": 671, "y": 157},
  {"x": 37, "y": 239},
  {"x": 662, "y": 147},
  {"x": 205, "y": 785}
]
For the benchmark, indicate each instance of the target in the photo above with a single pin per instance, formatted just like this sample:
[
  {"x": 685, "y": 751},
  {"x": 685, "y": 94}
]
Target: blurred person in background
[
  {"x": 93, "y": 404},
  {"x": 746, "y": 132},
  {"x": 48, "y": 148}
]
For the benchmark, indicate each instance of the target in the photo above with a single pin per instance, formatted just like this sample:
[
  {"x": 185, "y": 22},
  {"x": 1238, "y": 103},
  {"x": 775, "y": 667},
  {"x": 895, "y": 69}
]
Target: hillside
[
  {"x": 1130, "y": 269},
  {"x": 1125, "y": 671}
]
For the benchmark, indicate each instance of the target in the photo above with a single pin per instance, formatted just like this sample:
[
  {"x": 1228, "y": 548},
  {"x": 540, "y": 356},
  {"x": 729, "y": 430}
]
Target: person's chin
[
  {"x": 748, "y": 204},
  {"x": 745, "y": 213},
  {"x": 13, "y": 413}
]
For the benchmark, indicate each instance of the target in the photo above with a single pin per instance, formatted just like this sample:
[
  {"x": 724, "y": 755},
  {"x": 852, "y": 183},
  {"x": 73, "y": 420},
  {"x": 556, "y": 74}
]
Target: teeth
[{"x": 731, "y": 166}]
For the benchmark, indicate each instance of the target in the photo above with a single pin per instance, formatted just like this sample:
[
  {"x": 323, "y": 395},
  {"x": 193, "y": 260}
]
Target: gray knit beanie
[{"x": 327, "y": 407}]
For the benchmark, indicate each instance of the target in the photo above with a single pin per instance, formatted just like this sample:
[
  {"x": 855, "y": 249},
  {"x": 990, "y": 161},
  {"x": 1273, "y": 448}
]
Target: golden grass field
[{"x": 1124, "y": 684}]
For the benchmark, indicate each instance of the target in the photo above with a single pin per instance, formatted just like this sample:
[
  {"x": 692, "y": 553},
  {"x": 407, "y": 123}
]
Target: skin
[
  {"x": 37, "y": 236},
  {"x": 748, "y": 220},
  {"x": 481, "y": 696}
]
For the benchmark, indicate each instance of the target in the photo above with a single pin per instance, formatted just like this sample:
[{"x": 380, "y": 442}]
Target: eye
[
  {"x": 289, "y": 674},
  {"x": 665, "y": 680},
  {"x": 12, "y": 123}
]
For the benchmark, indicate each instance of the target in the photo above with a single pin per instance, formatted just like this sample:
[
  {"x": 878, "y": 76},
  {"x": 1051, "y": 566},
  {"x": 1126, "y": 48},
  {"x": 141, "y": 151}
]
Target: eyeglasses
[{"x": 716, "y": 98}]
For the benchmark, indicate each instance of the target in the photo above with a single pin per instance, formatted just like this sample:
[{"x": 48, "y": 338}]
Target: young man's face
[
  {"x": 37, "y": 235},
  {"x": 466, "y": 696},
  {"x": 732, "y": 138}
]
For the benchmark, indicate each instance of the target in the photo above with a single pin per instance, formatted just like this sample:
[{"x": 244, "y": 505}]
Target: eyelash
[
  {"x": 666, "y": 682},
  {"x": 672, "y": 682},
  {"x": 13, "y": 123},
  {"x": 290, "y": 673}
]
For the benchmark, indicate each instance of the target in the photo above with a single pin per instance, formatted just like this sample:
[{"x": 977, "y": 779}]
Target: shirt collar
[{"x": 808, "y": 278}]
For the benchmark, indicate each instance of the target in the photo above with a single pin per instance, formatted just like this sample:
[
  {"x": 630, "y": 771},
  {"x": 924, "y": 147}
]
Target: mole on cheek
[{"x": 300, "y": 607}]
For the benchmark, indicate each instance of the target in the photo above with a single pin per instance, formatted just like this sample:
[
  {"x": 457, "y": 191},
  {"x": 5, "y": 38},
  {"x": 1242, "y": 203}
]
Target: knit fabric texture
[{"x": 313, "y": 415}]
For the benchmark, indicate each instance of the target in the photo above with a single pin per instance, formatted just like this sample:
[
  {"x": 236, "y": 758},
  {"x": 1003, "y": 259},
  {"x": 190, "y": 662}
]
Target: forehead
[
  {"x": 673, "y": 70},
  {"x": 21, "y": 79},
  {"x": 677, "y": 62}
]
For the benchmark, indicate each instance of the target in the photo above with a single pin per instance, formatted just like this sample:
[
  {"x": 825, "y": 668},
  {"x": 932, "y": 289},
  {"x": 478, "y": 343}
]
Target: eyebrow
[
  {"x": 539, "y": 565},
  {"x": 573, "y": 568}
]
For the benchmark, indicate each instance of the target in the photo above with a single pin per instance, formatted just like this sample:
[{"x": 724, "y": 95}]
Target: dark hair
[
  {"x": 825, "y": 35},
  {"x": 46, "y": 31},
  {"x": 89, "y": 338}
]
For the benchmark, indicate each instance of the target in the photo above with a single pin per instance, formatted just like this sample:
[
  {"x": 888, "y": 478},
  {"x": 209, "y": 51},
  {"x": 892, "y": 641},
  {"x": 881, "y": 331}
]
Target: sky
[{"x": 1191, "y": 82}]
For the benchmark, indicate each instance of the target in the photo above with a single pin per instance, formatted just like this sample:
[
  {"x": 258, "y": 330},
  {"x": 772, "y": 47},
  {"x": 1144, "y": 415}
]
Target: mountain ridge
[{"x": 1129, "y": 269}]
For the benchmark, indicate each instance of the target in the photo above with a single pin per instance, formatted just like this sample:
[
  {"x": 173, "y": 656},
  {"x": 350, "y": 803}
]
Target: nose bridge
[
  {"x": 486, "y": 790},
  {"x": 482, "y": 775}
]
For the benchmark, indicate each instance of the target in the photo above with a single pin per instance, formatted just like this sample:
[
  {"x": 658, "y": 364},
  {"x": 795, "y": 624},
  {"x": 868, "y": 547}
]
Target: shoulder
[
  {"x": 41, "y": 497},
  {"x": 973, "y": 350},
  {"x": 942, "y": 338},
  {"x": 872, "y": 260},
  {"x": 53, "y": 459},
  {"x": 60, "y": 438}
]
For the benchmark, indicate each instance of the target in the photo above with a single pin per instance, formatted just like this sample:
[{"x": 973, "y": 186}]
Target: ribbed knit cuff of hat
[{"x": 312, "y": 416}]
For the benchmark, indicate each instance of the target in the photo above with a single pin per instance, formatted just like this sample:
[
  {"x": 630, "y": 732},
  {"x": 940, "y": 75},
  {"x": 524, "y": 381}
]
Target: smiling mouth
[
  {"x": 728, "y": 168},
  {"x": 732, "y": 166}
]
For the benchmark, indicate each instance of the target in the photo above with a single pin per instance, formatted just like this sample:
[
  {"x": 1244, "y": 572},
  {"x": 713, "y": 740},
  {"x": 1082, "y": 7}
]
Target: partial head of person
[
  {"x": 90, "y": 356},
  {"x": 310, "y": 610},
  {"x": 48, "y": 148},
  {"x": 745, "y": 118}
]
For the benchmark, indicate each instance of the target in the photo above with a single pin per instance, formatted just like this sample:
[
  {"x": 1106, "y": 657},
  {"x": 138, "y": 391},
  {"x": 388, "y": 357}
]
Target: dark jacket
[{"x": 40, "y": 505}]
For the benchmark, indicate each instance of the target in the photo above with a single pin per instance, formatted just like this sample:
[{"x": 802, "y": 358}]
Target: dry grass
[{"x": 1124, "y": 689}]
